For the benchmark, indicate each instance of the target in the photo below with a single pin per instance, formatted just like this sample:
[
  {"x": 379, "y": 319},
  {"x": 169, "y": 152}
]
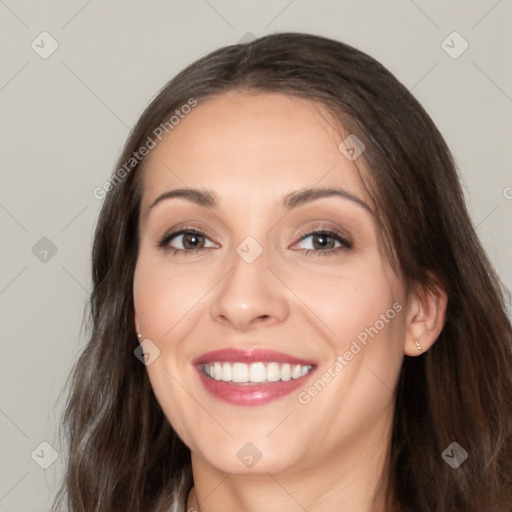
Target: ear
[
  {"x": 136, "y": 322},
  {"x": 426, "y": 315}
]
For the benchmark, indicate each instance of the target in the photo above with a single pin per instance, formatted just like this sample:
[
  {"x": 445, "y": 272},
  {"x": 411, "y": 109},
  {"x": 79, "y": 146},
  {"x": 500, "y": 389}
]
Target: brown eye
[
  {"x": 185, "y": 240},
  {"x": 325, "y": 242},
  {"x": 192, "y": 241},
  {"x": 321, "y": 241}
]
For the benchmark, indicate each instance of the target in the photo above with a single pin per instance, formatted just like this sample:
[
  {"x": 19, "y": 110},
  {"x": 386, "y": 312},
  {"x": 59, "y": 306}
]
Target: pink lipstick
[{"x": 251, "y": 377}]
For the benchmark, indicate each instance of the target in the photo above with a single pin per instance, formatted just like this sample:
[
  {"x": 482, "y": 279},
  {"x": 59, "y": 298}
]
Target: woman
[{"x": 291, "y": 309}]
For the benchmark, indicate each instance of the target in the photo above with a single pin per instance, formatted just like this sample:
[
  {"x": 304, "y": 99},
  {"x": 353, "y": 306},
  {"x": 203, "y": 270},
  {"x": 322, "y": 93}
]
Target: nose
[{"x": 249, "y": 296}]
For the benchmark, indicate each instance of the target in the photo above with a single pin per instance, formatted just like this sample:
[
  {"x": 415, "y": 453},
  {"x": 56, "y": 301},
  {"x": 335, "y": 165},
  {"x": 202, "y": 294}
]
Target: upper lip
[{"x": 237, "y": 355}]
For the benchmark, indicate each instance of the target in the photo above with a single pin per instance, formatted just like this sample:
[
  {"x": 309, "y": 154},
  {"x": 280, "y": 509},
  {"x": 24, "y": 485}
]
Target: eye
[
  {"x": 188, "y": 240},
  {"x": 324, "y": 242}
]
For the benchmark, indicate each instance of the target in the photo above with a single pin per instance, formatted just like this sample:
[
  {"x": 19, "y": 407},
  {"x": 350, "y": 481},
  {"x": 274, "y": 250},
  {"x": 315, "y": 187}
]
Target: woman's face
[{"x": 272, "y": 347}]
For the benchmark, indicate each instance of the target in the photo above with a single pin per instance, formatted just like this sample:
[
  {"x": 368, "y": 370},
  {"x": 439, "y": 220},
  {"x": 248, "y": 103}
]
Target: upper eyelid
[
  {"x": 183, "y": 231},
  {"x": 327, "y": 229}
]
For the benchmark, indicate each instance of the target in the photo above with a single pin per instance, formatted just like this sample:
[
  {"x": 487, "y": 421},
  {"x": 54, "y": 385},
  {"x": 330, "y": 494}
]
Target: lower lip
[{"x": 251, "y": 394}]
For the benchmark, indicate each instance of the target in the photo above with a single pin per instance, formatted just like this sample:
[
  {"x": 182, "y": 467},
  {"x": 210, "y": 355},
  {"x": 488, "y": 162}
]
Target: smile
[{"x": 251, "y": 377}]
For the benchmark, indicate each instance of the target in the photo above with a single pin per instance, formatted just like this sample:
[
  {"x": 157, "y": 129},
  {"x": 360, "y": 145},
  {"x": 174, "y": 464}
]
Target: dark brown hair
[{"x": 124, "y": 455}]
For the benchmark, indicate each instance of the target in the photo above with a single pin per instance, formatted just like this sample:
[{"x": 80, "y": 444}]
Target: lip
[
  {"x": 234, "y": 355},
  {"x": 248, "y": 394}
]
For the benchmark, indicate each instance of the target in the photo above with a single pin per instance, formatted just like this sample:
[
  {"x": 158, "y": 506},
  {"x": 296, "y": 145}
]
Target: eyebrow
[{"x": 208, "y": 198}]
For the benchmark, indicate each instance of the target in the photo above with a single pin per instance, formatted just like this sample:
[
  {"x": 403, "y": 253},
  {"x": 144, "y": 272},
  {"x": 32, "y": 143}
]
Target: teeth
[
  {"x": 273, "y": 372},
  {"x": 255, "y": 372},
  {"x": 217, "y": 371},
  {"x": 226, "y": 372},
  {"x": 240, "y": 372},
  {"x": 286, "y": 372}
]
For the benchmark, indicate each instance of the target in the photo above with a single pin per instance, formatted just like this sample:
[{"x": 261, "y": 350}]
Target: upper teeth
[{"x": 255, "y": 372}]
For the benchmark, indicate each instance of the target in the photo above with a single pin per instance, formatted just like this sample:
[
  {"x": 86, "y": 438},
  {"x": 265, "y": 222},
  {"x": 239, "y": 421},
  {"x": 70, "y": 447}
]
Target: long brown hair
[{"x": 124, "y": 455}]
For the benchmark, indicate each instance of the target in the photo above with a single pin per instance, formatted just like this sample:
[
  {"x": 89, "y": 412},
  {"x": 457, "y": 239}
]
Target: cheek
[
  {"x": 163, "y": 296},
  {"x": 163, "y": 299},
  {"x": 342, "y": 301},
  {"x": 364, "y": 313}
]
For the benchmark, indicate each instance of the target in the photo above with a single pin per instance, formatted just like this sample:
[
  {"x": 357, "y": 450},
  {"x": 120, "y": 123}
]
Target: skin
[{"x": 251, "y": 150}]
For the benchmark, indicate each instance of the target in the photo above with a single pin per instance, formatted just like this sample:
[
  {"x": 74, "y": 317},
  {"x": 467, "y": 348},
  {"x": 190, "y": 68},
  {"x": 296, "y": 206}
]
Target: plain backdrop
[{"x": 65, "y": 116}]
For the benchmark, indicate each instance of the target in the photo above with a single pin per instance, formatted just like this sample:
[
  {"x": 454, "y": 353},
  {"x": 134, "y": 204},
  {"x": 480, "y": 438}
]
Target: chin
[{"x": 251, "y": 454}]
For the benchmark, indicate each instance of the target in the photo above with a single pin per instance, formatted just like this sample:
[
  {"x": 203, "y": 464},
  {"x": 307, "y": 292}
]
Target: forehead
[{"x": 242, "y": 144}]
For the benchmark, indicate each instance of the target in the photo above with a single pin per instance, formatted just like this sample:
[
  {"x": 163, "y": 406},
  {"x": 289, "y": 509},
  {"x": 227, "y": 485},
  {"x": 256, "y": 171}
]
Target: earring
[
  {"x": 139, "y": 335},
  {"x": 418, "y": 345}
]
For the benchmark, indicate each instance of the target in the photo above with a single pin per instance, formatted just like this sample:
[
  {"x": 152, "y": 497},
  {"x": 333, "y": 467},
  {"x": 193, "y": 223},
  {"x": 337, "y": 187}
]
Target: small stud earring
[
  {"x": 418, "y": 345},
  {"x": 139, "y": 335}
]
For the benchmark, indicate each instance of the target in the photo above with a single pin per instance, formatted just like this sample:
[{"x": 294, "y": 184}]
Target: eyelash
[{"x": 332, "y": 233}]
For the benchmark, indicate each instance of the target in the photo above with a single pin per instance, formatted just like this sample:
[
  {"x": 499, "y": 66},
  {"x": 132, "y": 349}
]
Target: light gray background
[{"x": 64, "y": 120}]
